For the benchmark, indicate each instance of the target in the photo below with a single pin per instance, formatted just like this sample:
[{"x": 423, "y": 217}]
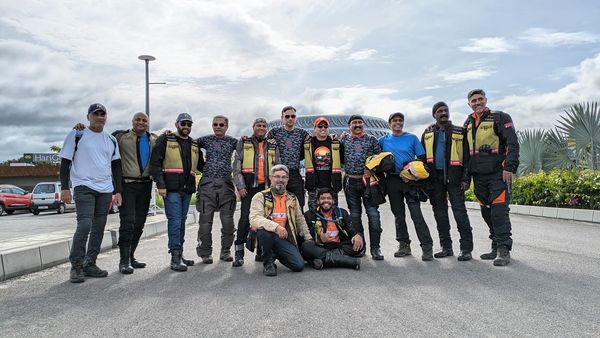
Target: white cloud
[
  {"x": 364, "y": 54},
  {"x": 470, "y": 75},
  {"x": 552, "y": 38},
  {"x": 487, "y": 45},
  {"x": 543, "y": 109}
]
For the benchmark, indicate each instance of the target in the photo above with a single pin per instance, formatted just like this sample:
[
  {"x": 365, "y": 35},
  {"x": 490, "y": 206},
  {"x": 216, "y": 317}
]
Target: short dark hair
[
  {"x": 322, "y": 191},
  {"x": 286, "y": 108},
  {"x": 475, "y": 92}
]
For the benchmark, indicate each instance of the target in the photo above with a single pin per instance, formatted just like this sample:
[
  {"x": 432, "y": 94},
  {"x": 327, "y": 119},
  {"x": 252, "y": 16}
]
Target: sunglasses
[
  {"x": 322, "y": 126},
  {"x": 218, "y": 124},
  {"x": 290, "y": 116},
  {"x": 185, "y": 123}
]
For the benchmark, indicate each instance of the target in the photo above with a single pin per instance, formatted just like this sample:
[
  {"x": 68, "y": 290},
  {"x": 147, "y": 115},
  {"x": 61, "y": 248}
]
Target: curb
[
  {"x": 581, "y": 215},
  {"x": 21, "y": 261}
]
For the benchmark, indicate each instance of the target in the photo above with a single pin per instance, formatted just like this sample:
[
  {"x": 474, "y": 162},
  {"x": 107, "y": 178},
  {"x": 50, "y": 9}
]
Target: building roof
[{"x": 34, "y": 171}]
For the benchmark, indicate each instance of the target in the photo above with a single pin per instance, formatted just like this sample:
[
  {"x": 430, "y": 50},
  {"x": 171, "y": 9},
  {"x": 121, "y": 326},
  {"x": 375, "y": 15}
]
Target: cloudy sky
[{"x": 249, "y": 58}]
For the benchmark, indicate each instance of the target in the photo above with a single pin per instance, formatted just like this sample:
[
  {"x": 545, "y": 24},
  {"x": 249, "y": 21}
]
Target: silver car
[{"x": 46, "y": 196}]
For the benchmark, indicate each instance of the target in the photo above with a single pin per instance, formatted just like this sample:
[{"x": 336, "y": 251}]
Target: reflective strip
[
  {"x": 500, "y": 199},
  {"x": 456, "y": 163},
  {"x": 177, "y": 171}
]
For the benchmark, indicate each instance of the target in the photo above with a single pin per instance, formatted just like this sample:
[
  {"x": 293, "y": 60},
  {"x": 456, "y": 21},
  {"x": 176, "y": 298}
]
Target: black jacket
[
  {"x": 184, "y": 182},
  {"x": 314, "y": 219}
]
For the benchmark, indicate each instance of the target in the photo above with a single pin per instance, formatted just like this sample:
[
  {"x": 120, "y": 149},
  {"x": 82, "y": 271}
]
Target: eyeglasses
[
  {"x": 185, "y": 123},
  {"x": 218, "y": 124},
  {"x": 290, "y": 116},
  {"x": 277, "y": 177},
  {"x": 322, "y": 126}
]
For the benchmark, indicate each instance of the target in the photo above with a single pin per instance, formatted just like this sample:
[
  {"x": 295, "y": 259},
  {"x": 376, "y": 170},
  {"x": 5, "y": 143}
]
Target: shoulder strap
[{"x": 78, "y": 135}]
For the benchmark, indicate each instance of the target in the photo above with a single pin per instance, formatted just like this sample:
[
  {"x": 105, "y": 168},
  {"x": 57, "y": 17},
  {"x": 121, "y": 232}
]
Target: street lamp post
[{"x": 147, "y": 59}]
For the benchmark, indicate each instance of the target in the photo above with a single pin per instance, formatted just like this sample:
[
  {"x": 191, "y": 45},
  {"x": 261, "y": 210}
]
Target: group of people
[{"x": 264, "y": 169}]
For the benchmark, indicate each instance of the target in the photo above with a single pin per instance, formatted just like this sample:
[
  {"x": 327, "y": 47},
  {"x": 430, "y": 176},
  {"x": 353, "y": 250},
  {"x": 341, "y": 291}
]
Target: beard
[{"x": 278, "y": 189}]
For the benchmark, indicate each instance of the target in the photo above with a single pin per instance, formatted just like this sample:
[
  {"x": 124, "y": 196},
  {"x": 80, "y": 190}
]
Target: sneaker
[
  {"x": 77, "y": 273},
  {"x": 403, "y": 250},
  {"x": 445, "y": 252},
  {"x": 270, "y": 270}
]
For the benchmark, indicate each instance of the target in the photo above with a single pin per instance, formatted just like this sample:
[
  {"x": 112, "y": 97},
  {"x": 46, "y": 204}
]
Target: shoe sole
[
  {"x": 426, "y": 259},
  {"x": 401, "y": 255},
  {"x": 463, "y": 259},
  {"x": 77, "y": 280},
  {"x": 501, "y": 263},
  {"x": 95, "y": 276},
  {"x": 378, "y": 258},
  {"x": 236, "y": 264}
]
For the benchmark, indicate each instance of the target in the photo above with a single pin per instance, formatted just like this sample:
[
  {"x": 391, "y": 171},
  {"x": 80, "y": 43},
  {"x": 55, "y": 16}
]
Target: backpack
[{"x": 79, "y": 135}]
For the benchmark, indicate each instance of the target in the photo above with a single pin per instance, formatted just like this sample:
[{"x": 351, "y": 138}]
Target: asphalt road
[{"x": 551, "y": 288}]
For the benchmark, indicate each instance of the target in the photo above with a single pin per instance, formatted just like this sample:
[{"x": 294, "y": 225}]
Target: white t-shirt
[{"x": 91, "y": 165}]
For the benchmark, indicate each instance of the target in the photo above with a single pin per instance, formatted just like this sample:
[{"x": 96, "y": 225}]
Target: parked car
[
  {"x": 46, "y": 196},
  {"x": 13, "y": 198}
]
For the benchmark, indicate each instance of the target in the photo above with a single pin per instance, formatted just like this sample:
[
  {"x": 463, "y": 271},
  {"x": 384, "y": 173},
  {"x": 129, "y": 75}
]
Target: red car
[{"x": 13, "y": 198}]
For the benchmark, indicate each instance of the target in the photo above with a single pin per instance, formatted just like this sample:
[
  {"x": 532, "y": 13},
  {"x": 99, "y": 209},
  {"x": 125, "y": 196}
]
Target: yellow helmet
[{"x": 414, "y": 171}]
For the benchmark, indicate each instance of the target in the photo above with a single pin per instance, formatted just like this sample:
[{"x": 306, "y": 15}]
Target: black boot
[
  {"x": 239, "y": 256},
  {"x": 490, "y": 255},
  {"x": 90, "y": 269},
  {"x": 503, "y": 256},
  {"x": 76, "y": 273},
  {"x": 336, "y": 259},
  {"x": 187, "y": 262},
  {"x": 134, "y": 262},
  {"x": 376, "y": 254},
  {"x": 124, "y": 266},
  {"x": 427, "y": 253},
  {"x": 176, "y": 263},
  {"x": 445, "y": 252},
  {"x": 464, "y": 256}
]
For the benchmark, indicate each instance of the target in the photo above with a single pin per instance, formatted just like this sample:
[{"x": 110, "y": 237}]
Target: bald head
[{"x": 139, "y": 123}]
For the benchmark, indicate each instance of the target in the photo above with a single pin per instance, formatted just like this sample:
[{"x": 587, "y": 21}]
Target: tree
[
  {"x": 55, "y": 148},
  {"x": 582, "y": 125},
  {"x": 532, "y": 148}
]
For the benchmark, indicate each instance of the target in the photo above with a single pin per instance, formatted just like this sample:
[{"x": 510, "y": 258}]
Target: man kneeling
[
  {"x": 276, "y": 216},
  {"x": 337, "y": 243}
]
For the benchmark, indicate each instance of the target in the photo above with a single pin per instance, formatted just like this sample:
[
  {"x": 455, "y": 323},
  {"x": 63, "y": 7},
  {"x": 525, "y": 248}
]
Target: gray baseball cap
[{"x": 184, "y": 117}]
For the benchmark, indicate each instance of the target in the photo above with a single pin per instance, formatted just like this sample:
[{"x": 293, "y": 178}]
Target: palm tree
[
  {"x": 558, "y": 153},
  {"x": 582, "y": 125},
  {"x": 532, "y": 148}
]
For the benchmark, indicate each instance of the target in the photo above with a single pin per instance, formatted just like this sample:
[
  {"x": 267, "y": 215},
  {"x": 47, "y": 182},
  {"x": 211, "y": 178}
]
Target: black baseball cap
[
  {"x": 396, "y": 114},
  {"x": 355, "y": 117},
  {"x": 184, "y": 117},
  {"x": 96, "y": 107}
]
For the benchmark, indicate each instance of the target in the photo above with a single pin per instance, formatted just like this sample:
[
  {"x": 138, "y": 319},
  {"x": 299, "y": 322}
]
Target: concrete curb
[
  {"x": 581, "y": 215},
  {"x": 21, "y": 261}
]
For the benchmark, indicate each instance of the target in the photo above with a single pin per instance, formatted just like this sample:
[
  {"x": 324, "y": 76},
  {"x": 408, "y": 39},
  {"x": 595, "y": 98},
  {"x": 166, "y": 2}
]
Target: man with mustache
[
  {"x": 216, "y": 191},
  {"x": 277, "y": 218},
  {"x": 357, "y": 147},
  {"x": 175, "y": 160},
  {"x": 323, "y": 157},
  {"x": 447, "y": 153},
  {"x": 290, "y": 142},
  {"x": 337, "y": 242},
  {"x": 494, "y": 157},
  {"x": 406, "y": 148},
  {"x": 254, "y": 158}
]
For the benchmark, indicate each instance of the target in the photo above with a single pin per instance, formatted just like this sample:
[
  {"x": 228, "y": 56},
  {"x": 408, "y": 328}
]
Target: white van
[{"x": 46, "y": 196}]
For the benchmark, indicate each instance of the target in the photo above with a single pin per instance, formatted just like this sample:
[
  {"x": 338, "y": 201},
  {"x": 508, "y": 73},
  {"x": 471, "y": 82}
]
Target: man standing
[
  {"x": 494, "y": 157},
  {"x": 277, "y": 217},
  {"x": 135, "y": 147},
  {"x": 406, "y": 148},
  {"x": 290, "y": 142},
  {"x": 323, "y": 163},
  {"x": 91, "y": 162},
  {"x": 447, "y": 153},
  {"x": 337, "y": 243},
  {"x": 254, "y": 159},
  {"x": 174, "y": 162},
  {"x": 216, "y": 191},
  {"x": 357, "y": 147}
]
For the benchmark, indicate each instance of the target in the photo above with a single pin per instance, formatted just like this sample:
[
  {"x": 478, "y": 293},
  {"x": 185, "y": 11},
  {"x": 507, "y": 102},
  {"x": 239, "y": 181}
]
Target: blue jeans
[
  {"x": 287, "y": 253},
  {"x": 177, "y": 205},
  {"x": 92, "y": 209},
  {"x": 355, "y": 190}
]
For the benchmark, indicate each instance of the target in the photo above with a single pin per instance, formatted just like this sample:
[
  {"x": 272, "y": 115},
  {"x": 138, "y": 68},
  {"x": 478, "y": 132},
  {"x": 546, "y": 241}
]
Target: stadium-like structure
[{"x": 337, "y": 123}]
